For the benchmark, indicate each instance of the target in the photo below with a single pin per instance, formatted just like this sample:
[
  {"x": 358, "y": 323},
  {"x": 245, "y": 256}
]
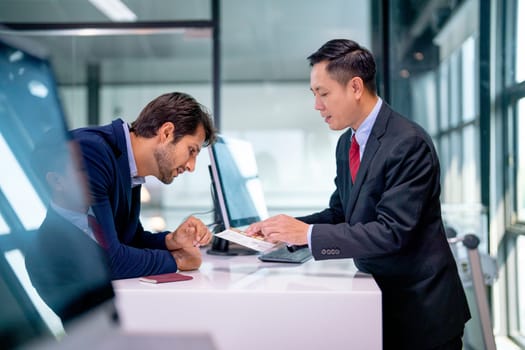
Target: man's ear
[
  {"x": 166, "y": 131},
  {"x": 356, "y": 86},
  {"x": 54, "y": 180}
]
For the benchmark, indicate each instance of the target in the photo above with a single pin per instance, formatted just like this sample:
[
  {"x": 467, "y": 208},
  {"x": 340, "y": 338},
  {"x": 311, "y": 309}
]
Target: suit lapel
[
  {"x": 372, "y": 145},
  {"x": 122, "y": 158}
]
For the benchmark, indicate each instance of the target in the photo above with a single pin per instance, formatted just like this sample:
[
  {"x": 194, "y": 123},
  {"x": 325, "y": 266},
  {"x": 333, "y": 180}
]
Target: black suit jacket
[
  {"x": 390, "y": 222},
  {"x": 67, "y": 268}
]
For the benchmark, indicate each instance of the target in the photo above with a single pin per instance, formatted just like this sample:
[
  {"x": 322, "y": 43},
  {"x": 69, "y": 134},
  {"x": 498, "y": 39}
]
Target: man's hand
[
  {"x": 187, "y": 258},
  {"x": 191, "y": 233},
  {"x": 281, "y": 228}
]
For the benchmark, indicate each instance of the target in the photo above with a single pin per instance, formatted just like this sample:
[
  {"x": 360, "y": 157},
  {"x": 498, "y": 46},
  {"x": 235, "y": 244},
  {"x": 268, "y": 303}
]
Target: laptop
[{"x": 55, "y": 282}]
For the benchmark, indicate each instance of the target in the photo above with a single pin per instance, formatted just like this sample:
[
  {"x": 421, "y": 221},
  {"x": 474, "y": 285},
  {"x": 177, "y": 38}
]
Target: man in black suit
[
  {"x": 387, "y": 214},
  {"x": 66, "y": 265}
]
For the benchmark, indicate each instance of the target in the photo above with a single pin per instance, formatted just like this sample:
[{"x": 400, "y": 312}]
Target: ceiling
[{"x": 260, "y": 40}]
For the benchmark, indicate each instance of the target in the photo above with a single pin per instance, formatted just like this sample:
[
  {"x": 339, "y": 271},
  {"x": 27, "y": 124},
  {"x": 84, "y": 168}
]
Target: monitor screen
[
  {"x": 238, "y": 187},
  {"x": 51, "y": 272}
]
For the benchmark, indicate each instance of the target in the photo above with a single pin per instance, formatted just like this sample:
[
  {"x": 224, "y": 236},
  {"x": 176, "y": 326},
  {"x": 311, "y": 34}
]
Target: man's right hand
[
  {"x": 191, "y": 233},
  {"x": 187, "y": 258}
]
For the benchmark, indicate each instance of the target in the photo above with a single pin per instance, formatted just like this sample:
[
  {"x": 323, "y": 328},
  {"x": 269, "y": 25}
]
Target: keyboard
[{"x": 284, "y": 255}]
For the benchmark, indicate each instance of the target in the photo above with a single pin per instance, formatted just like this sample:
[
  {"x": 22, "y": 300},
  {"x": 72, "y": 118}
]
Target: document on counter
[{"x": 253, "y": 242}]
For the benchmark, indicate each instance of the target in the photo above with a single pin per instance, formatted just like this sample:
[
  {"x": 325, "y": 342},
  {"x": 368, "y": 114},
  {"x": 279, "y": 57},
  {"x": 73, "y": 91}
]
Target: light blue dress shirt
[
  {"x": 361, "y": 135},
  {"x": 78, "y": 219},
  {"x": 135, "y": 180}
]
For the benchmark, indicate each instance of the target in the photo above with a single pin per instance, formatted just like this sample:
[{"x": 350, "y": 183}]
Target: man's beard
[{"x": 165, "y": 174}]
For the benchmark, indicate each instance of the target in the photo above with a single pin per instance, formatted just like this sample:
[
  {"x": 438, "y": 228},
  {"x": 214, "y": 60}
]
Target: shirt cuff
[{"x": 309, "y": 236}]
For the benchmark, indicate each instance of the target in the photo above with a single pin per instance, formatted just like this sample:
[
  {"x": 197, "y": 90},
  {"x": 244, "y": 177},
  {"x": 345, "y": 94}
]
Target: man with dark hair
[
  {"x": 68, "y": 285},
  {"x": 163, "y": 142},
  {"x": 385, "y": 212}
]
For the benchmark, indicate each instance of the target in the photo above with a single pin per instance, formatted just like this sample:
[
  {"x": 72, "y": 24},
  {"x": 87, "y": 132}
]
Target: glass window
[
  {"x": 455, "y": 88},
  {"x": 139, "y": 68},
  {"x": 425, "y": 106},
  {"x": 520, "y": 175},
  {"x": 444, "y": 158},
  {"x": 521, "y": 283},
  {"x": 266, "y": 95},
  {"x": 520, "y": 42},
  {"x": 455, "y": 183},
  {"x": 515, "y": 74},
  {"x": 469, "y": 81},
  {"x": 451, "y": 163},
  {"x": 444, "y": 91},
  {"x": 470, "y": 166}
]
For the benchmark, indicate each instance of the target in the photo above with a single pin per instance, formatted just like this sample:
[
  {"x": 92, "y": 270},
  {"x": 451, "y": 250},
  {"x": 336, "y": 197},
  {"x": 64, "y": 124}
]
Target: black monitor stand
[{"x": 221, "y": 246}]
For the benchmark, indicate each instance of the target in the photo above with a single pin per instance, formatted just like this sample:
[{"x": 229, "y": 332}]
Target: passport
[{"x": 165, "y": 277}]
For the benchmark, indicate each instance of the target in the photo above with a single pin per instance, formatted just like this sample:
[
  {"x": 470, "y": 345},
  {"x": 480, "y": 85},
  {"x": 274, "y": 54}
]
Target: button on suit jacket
[{"x": 390, "y": 223}]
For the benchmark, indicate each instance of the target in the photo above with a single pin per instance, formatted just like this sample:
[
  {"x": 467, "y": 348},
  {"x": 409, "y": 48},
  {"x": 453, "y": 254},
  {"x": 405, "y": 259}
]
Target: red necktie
[
  {"x": 354, "y": 158},
  {"x": 97, "y": 229}
]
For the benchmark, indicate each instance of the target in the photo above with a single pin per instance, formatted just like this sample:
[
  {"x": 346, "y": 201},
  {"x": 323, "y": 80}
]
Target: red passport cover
[{"x": 166, "y": 277}]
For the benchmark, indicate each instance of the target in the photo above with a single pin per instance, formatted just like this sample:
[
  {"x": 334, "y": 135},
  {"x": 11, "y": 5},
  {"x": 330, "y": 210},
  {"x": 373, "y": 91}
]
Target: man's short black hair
[{"x": 347, "y": 59}]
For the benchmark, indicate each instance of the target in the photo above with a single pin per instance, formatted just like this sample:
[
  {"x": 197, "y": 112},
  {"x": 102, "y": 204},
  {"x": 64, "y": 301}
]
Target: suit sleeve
[
  {"x": 411, "y": 178},
  {"x": 126, "y": 260},
  {"x": 143, "y": 238}
]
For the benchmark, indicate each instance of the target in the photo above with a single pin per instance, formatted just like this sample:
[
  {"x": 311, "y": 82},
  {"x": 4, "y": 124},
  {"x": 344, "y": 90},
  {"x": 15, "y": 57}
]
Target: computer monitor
[
  {"x": 237, "y": 190},
  {"x": 49, "y": 276}
]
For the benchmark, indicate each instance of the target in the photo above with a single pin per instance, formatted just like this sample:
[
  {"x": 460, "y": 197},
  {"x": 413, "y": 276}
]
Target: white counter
[{"x": 247, "y": 304}]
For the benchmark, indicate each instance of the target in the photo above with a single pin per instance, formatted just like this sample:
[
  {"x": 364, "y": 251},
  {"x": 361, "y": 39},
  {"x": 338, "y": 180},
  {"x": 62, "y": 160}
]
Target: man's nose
[
  {"x": 318, "y": 105},
  {"x": 190, "y": 165}
]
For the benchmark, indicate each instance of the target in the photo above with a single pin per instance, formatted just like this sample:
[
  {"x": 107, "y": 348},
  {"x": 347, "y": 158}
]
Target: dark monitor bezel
[{"x": 218, "y": 183}]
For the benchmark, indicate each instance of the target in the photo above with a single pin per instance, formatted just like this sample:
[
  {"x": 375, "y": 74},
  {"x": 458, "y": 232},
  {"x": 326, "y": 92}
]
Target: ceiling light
[{"x": 116, "y": 10}]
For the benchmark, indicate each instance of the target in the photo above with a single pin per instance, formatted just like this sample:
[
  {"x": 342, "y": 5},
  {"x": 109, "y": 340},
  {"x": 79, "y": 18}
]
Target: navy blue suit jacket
[
  {"x": 390, "y": 223},
  {"x": 132, "y": 251}
]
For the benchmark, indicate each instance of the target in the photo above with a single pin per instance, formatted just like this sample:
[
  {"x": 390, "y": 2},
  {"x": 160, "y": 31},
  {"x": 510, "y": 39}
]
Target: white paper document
[{"x": 240, "y": 237}]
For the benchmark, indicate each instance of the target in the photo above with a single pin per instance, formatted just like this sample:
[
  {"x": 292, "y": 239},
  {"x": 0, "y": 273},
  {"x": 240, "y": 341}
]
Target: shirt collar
[
  {"x": 76, "y": 218},
  {"x": 364, "y": 130},
  {"x": 135, "y": 180}
]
